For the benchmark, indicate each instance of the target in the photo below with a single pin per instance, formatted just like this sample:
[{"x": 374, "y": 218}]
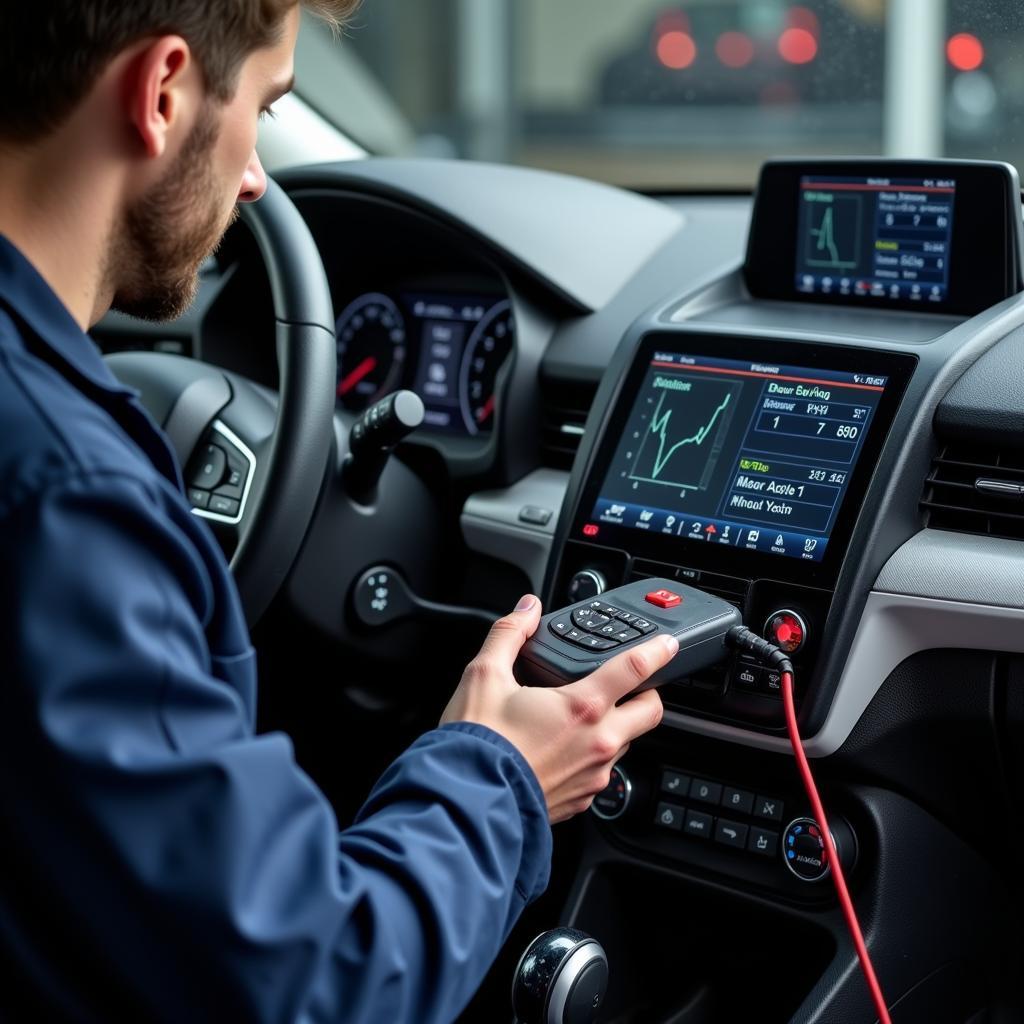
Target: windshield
[{"x": 686, "y": 95}]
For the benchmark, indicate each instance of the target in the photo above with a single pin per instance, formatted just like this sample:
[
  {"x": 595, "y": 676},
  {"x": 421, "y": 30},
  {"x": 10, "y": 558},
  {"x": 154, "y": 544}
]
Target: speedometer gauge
[
  {"x": 371, "y": 350},
  {"x": 486, "y": 350}
]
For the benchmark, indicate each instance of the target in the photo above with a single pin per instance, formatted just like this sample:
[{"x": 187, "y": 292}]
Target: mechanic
[{"x": 160, "y": 860}]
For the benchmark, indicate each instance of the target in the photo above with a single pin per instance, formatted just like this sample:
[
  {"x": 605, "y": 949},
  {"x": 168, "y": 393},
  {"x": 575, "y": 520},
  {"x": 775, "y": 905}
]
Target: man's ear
[{"x": 156, "y": 91}]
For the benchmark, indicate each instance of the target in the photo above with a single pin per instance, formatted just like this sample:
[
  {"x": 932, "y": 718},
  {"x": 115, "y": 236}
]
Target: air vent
[
  {"x": 973, "y": 489},
  {"x": 565, "y": 408}
]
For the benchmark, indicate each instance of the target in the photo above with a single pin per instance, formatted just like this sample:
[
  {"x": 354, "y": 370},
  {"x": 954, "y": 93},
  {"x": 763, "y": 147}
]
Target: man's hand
[{"x": 570, "y": 735}]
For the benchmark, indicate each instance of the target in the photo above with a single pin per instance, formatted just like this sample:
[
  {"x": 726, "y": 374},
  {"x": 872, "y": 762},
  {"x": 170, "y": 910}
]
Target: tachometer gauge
[
  {"x": 486, "y": 350},
  {"x": 371, "y": 350}
]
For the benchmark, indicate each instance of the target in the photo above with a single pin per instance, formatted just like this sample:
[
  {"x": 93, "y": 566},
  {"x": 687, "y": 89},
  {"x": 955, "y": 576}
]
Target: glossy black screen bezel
[
  {"x": 728, "y": 561},
  {"x": 984, "y": 263}
]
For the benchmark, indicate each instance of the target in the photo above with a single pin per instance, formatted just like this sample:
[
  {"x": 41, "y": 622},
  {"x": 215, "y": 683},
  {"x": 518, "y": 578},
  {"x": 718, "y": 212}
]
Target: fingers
[
  {"x": 639, "y": 715},
  {"x": 511, "y": 631},
  {"x": 625, "y": 672}
]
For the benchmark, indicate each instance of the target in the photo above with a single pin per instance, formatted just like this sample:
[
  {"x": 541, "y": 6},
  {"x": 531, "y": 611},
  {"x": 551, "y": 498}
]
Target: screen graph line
[
  {"x": 659, "y": 426},
  {"x": 681, "y": 442},
  {"x": 826, "y": 236}
]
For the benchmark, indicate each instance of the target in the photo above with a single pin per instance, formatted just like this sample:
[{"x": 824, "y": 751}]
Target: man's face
[{"x": 166, "y": 235}]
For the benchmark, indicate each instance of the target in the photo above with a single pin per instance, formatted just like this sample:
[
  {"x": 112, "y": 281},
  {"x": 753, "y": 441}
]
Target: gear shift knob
[{"x": 561, "y": 979}]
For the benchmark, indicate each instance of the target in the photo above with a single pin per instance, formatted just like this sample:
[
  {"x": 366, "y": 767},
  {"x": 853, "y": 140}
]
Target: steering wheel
[{"x": 255, "y": 462}]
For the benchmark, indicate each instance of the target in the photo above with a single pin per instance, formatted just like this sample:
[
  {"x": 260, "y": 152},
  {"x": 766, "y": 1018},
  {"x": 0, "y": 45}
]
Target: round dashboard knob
[
  {"x": 613, "y": 801},
  {"x": 585, "y": 584},
  {"x": 803, "y": 848},
  {"x": 787, "y": 630}
]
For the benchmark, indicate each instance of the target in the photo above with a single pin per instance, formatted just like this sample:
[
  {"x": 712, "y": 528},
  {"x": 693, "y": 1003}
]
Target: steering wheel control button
[
  {"x": 663, "y": 599},
  {"x": 669, "y": 816},
  {"x": 613, "y": 800},
  {"x": 675, "y": 783},
  {"x": 698, "y": 824},
  {"x": 804, "y": 851},
  {"x": 535, "y": 516},
  {"x": 705, "y": 792},
  {"x": 738, "y": 800},
  {"x": 208, "y": 466},
  {"x": 787, "y": 630},
  {"x": 768, "y": 807},
  {"x": 198, "y": 497},
  {"x": 731, "y": 833},
  {"x": 587, "y": 583},
  {"x": 224, "y": 506},
  {"x": 762, "y": 842}
]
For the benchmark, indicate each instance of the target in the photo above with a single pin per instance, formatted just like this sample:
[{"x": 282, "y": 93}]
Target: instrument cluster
[{"x": 447, "y": 347}]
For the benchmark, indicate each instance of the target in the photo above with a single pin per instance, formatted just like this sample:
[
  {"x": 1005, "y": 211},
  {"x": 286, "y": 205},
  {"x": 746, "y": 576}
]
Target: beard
[{"x": 166, "y": 235}]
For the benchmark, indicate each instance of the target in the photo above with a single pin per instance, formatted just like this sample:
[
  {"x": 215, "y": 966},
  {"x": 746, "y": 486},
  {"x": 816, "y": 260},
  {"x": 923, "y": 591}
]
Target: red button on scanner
[{"x": 663, "y": 598}]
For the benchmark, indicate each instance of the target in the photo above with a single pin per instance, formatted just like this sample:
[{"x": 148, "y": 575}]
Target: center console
[
  {"x": 738, "y": 466},
  {"x": 739, "y": 460}
]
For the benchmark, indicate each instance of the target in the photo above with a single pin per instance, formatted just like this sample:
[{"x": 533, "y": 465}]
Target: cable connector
[{"x": 748, "y": 642}]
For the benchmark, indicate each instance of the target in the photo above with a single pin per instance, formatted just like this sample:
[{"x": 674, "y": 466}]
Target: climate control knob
[
  {"x": 787, "y": 630},
  {"x": 803, "y": 848},
  {"x": 613, "y": 801},
  {"x": 587, "y": 583}
]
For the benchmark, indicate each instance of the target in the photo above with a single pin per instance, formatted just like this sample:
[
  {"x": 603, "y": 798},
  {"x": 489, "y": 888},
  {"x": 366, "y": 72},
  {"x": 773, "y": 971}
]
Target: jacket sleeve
[{"x": 166, "y": 854}]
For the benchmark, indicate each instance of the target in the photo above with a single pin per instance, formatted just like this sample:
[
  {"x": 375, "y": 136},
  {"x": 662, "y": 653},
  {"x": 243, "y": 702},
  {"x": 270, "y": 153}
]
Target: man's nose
[{"x": 254, "y": 181}]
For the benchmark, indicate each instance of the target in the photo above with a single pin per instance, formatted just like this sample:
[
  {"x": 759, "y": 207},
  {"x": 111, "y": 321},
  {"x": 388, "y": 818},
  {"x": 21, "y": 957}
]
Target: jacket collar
[{"x": 26, "y": 295}]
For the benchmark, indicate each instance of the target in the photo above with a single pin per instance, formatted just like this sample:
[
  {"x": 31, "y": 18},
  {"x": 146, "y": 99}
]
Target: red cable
[{"x": 833, "y": 858}]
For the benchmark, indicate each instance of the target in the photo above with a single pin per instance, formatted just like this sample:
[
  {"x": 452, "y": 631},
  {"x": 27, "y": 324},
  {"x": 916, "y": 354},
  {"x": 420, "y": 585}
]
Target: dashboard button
[
  {"x": 705, "y": 792},
  {"x": 669, "y": 816},
  {"x": 731, "y": 833},
  {"x": 763, "y": 842},
  {"x": 738, "y": 800},
  {"x": 698, "y": 824},
  {"x": 674, "y": 782},
  {"x": 787, "y": 630},
  {"x": 644, "y": 626},
  {"x": 627, "y": 617},
  {"x": 663, "y": 599},
  {"x": 624, "y": 634},
  {"x": 560, "y": 627},
  {"x": 535, "y": 516},
  {"x": 771, "y": 682},
  {"x": 748, "y": 677},
  {"x": 769, "y": 807}
]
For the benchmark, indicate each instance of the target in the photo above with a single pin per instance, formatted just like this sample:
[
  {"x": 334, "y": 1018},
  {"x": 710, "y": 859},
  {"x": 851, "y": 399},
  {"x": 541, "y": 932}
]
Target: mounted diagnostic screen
[
  {"x": 742, "y": 454},
  {"x": 939, "y": 236}
]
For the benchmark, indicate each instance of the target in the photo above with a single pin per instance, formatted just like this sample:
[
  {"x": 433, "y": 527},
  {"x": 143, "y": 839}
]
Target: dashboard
[{"x": 806, "y": 402}]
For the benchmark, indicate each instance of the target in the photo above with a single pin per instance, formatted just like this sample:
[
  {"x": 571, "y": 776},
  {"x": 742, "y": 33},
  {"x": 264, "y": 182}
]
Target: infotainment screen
[
  {"x": 749, "y": 454},
  {"x": 888, "y": 238},
  {"x": 939, "y": 236}
]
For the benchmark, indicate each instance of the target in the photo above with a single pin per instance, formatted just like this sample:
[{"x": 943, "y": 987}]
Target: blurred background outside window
[{"x": 691, "y": 95}]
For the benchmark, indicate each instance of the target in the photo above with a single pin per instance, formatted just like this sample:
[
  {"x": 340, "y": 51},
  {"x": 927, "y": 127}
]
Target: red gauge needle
[
  {"x": 349, "y": 382},
  {"x": 486, "y": 410}
]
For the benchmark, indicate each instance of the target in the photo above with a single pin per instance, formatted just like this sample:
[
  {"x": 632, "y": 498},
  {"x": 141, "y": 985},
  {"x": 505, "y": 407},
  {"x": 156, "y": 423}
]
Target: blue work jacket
[{"x": 159, "y": 861}]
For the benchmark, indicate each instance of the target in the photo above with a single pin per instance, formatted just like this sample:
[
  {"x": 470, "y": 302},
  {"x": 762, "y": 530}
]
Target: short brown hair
[{"x": 52, "y": 51}]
